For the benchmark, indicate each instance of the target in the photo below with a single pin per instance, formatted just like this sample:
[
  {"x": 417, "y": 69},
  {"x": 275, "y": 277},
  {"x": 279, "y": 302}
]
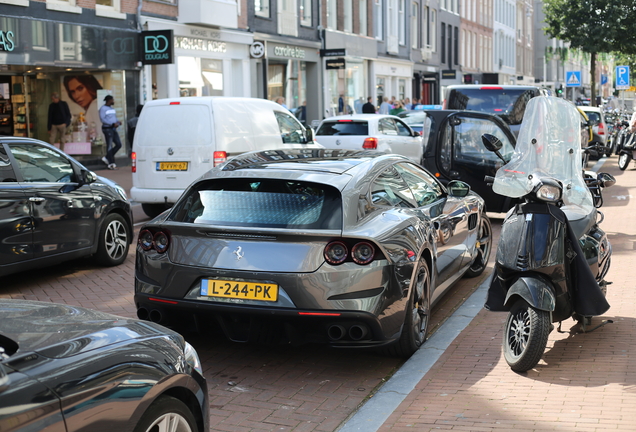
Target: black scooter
[{"x": 548, "y": 268}]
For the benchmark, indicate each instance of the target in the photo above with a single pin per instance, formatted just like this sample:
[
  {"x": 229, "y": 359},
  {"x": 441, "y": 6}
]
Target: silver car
[{"x": 349, "y": 248}]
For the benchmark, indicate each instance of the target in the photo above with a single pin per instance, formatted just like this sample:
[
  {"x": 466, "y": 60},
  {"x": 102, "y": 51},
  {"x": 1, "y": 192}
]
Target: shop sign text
[
  {"x": 6, "y": 41},
  {"x": 157, "y": 47},
  {"x": 189, "y": 43},
  {"x": 288, "y": 51}
]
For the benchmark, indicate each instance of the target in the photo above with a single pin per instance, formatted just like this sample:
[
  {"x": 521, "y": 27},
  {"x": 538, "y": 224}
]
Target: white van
[{"x": 178, "y": 140}]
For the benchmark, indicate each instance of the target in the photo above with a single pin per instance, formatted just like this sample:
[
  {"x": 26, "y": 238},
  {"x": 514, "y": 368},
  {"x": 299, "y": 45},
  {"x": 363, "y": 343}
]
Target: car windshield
[
  {"x": 509, "y": 104},
  {"x": 548, "y": 146},
  {"x": 342, "y": 127},
  {"x": 593, "y": 116},
  {"x": 266, "y": 203},
  {"x": 413, "y": 117}
]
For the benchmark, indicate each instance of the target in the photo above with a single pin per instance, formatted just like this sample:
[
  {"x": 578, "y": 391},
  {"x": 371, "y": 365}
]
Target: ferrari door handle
[{"x": 37, "y": 200}]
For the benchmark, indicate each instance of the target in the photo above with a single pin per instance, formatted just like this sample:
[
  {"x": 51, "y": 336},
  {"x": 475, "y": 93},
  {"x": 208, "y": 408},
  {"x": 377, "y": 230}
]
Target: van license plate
[
  {"x": 172, "y": 166},
  {"x": 239, "y": 290}
]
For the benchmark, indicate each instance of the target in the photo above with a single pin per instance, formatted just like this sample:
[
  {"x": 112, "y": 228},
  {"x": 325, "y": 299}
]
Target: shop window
[
  {"x": 261, "y": 8},
  {"x": 109, "y": 8},
  {"x": 305, "y": 13},
  {"x": 212, "y": 71}
]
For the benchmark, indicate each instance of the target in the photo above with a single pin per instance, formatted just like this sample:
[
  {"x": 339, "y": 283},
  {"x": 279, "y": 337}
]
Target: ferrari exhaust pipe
[
  {"x": 358, "y": 332},
  {"x": 155, "y": 316},
  {"x": 142, "y": 313},
  {"x": 336, "y": 332}
]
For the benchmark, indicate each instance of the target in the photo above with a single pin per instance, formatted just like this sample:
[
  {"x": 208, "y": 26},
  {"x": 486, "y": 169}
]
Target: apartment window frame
[
  {"x": 305, "y": 13},
  {"x": 347, "y": 15},
  {"x": 378, "y": 21},
  {"x": 332, "y": 14},
  {"x": 364, "y": 15},
  {"x": 262, "y": 8},
  {"x": 443, "y": 42},
  {"x": 402, "y": 22},
  {"x": 415, "y": 30}
]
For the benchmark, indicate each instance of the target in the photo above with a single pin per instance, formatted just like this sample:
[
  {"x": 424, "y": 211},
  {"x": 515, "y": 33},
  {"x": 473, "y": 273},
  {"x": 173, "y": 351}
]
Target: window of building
[
  {"x": 443, "y": 34},
  {"x": 377, "y": 19},
  {"x": 415, "y": 31},
  {"x": 456, "y": 46},
  {"x": 63, "y": 6},
  {"x": 449, "y": 30},
  {"x": 332, "y": 14},
  {"x": 109, "y": 8},
  {"x": 348, "y": 16},
  {"x": 426, "y": 34},
  {"x": 261, "y": 8},
  {"x": 433, "y": 29},
  {"x": 287, "y": 17},
  {"x": 364, "y": 29},
  {"x": 402, "y": 22},
  {"x": 305, "y": 13}
]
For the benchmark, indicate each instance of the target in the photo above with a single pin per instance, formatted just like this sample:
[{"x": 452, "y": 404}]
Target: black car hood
[{"x": 57, "y": 331}]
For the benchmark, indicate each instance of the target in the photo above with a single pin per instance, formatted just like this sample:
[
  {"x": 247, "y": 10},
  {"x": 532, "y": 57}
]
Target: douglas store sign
[{"x": 157, "y": 47}]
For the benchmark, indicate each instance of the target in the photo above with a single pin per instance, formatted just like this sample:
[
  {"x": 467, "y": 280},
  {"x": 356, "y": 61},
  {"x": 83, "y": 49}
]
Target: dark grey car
[
  {"x": 349, "y": 248},
  {"x": 53, "y": 209}
]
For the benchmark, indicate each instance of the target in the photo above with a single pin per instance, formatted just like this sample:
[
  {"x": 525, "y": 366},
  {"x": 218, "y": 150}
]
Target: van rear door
[{"x": 176, "y": 145}]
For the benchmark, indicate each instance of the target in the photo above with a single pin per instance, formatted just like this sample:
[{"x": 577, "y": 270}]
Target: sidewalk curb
[{"x": 372, "y": 415}]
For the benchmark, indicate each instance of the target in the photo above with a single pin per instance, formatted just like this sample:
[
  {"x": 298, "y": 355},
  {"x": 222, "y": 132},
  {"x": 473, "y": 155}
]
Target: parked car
[
  {"x": 506, "y": 101},
  {"x": 455, "y": 151},
  {"x": 380, "y": 132},
  {"x": 54, "y": 209},
  {"x": 348, "y": 248},
  {"x": 66, "y": 368},
  {"x": 178, "y": 140},
  {"x": 599, "y": 145}
]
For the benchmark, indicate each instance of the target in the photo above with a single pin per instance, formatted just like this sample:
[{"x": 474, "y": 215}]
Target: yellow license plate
[
  {"x": 239, "y": 290},
  {"x": 172, "y": 166}
]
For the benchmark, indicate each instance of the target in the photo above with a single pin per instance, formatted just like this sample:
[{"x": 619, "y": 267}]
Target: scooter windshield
[{"x": 548, "y": 146}]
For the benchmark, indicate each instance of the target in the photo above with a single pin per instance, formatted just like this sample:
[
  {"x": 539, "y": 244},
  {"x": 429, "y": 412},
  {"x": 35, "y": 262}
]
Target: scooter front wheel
[
  {"x": 525, "y": 336},
  {"x": 623, "y": 161}
]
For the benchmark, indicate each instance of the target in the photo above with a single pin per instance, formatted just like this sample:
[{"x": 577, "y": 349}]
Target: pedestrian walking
[
  {"x": 59, "y": 119},
  {"x": 368, "y": 108},
  {"x": 385, "y": 107},
  {"x": 108, "y": 117}
]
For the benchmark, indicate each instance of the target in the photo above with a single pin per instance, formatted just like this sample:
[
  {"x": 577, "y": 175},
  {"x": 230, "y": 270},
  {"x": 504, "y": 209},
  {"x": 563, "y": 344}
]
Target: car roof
[
  {"x": 589, "y": 108},
  {"x": 491, "y": 86},
  {"x": 358, "y": 117}
]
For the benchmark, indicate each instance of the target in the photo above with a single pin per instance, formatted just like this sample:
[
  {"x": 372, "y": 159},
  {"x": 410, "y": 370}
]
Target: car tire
[
  {"x": 167, "y": 411},
  {"x": 154, "y": 210},
  {"x": 113, "y": 242},
  {"x": 484, "y": 247},
  {"x": 417, "y": 316},
  {"x": 525, "y": 336}
]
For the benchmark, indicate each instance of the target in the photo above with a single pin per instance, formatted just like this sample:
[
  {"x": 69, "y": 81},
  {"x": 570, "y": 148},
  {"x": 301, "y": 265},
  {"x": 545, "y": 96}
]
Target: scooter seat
[{"x": 580, "y": 224}]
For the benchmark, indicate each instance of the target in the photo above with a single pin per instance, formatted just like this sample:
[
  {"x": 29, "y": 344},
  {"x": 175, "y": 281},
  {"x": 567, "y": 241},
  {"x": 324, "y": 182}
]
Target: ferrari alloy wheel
[
  {"x": 525, "y": 336},
  {"x": 167, "y": 414},
  {"x": 114, "y": 241},
  {"x": 623, "y": 161},
  {"x": 483, "y": 247},
  {"x": 417, "y": 314}
]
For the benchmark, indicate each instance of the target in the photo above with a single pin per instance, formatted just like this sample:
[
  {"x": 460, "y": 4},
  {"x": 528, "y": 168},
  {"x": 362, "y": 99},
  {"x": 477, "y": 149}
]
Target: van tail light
[
  {"x": 158, "y": 241},
  {"x": 601, "y": 128},
  {"x": 361, "y": 252},
  {"x": 133, "y": 159},
  {"x": 219, "y": 157},
  {"x": 175, "y": 103},
  {"x": 370, "y": 144},
  {"x": 444, "y": 104}
]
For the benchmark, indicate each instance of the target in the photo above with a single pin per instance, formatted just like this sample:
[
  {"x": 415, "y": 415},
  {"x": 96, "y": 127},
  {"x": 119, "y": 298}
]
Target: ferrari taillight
[
  {"x": 360, "y": 252},
  {"x": 158, "y": 241}
]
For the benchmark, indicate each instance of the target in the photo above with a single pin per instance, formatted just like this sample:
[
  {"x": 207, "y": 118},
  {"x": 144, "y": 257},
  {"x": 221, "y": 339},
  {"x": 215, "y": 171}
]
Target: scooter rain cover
[{"x": 548, "y": 146}]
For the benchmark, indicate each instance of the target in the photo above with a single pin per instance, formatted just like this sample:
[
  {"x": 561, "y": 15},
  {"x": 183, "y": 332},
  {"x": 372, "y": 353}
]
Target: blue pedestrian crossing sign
[
  {"x": 573, "y": 79},
  {"x": 622, "y": 77}
]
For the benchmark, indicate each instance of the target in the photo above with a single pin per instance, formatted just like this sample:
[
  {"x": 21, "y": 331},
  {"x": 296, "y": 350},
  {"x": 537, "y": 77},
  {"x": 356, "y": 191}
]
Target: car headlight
[
  {"x": 192, "y": 358},
  {"x": 549, "y": 193},
  {"x": 121, "y": 192}
]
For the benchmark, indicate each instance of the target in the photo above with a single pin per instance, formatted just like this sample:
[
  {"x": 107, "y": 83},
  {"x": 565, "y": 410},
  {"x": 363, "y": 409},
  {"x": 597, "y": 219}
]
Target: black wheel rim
[
  {"x": 483, "y": 245},
  {"x": 518, "y": 331},
  {"x": 421, "y": 306}
]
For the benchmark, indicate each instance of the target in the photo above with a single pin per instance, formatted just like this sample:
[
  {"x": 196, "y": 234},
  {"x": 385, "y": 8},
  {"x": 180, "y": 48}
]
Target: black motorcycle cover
[{"x": 587, "y": 295}]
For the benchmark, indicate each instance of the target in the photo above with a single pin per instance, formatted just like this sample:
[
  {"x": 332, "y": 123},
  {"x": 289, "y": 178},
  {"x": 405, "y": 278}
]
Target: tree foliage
[{"x": 593, "y": 26}]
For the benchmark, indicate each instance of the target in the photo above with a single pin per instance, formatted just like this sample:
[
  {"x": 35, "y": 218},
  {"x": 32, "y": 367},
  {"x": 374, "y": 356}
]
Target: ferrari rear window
[
  {"x": 344, "y": 128},
  {"x": 266, "y": 203}
]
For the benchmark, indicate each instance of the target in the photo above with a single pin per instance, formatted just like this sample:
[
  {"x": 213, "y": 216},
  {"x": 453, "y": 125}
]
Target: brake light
[
  {"x": 444, "y": 104},
  {"x": 133, "y": 165},
  {"x": 491, "y": 88},
  {"x": 345, "y": 121},
  {"x": 219, "y": 157},
  {"x": 336, "y": 252},
  {"x": 362, "y": 252},
  {"x": 158, "y": 241},
  {"x": 601, "y": 128},
  {"x": 175, "y": 103},
  {"x": 370, "y": 143}
]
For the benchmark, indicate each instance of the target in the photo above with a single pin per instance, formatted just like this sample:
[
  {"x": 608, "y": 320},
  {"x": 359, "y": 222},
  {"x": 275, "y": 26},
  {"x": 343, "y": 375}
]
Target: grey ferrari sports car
[{"x": 349, "y": 248}]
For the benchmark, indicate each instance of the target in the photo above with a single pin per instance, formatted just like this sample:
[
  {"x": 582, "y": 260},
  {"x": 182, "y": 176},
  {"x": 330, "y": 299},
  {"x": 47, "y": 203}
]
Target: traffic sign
[
  {"x": 573, "y": 79},
  {"x": 622, "y": 77}
]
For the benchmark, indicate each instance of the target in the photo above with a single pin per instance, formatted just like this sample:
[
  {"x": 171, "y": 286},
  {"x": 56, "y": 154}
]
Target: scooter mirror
[
  {"x": 606, "y": 180},
  {"x": 491, "y": 142}
]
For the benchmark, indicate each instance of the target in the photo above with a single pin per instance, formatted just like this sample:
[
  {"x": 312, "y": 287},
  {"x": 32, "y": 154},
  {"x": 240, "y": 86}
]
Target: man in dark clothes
[
  {"x": 368, "y": 108},
  {"x": 59, "y": 119}
]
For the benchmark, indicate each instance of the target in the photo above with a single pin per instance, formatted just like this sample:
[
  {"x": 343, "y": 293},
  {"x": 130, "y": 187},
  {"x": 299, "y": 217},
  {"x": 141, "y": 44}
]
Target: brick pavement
[{"x": 584, "y": 382}]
